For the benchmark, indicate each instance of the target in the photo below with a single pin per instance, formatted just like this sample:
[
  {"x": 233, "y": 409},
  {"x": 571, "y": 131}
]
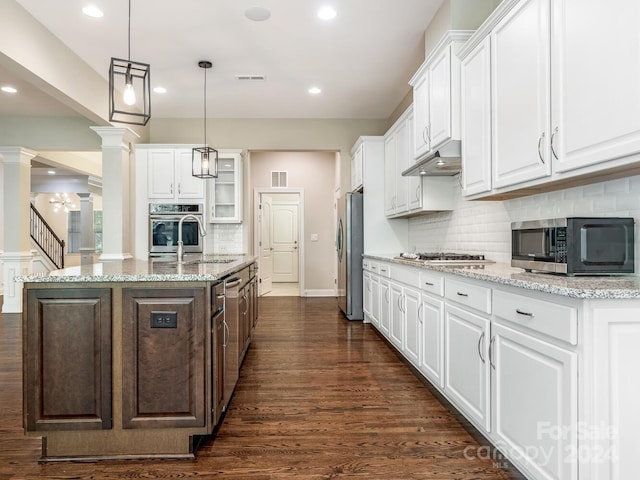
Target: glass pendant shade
[{"x": 204, "y": 162}]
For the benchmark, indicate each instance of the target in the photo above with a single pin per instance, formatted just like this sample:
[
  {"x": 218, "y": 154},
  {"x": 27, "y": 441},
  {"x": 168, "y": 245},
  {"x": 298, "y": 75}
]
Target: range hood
[{"x": 444, "y": 161}]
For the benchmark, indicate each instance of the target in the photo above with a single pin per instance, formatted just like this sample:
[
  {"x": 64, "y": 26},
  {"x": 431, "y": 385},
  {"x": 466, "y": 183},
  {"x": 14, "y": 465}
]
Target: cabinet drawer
[
  {"x": 384, "y": 270},
  {"x": 468, "y": 294},
  {"x": 432, "y": 282},
  {"x": 557, "y": 321},
  {"x": 407, "y": 275},
  {"x": 370, "y": 266}
]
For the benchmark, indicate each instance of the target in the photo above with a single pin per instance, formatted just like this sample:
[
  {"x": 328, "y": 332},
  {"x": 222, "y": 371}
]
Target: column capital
[
  {"x": 17, "y": 155},
  {"x": 116, "y": 136}
]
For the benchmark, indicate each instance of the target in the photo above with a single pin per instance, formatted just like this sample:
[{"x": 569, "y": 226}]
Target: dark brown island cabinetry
[
  {"x": 67, "y": 374},
  {"x": 163, "y": 358},
  {"x": 131, "y": 369}
]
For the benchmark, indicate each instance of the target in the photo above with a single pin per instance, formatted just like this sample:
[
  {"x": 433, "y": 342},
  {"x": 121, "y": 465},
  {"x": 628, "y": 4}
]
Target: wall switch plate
[
  {"x": 164, "y": 319},
  {"x": 314, "y": 237}
]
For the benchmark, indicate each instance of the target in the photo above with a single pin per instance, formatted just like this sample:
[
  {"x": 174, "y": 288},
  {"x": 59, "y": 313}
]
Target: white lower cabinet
[
  {"x": 375, "y": 300},
  {"x": 431, "y": 331},
  {"x": 385, "y": 306},
  {"x": 367, "y": 295},
  {"x": 551, "y": 381},
  {"x": 535, "y": 410},
  {"x": 467, "y": 370}
]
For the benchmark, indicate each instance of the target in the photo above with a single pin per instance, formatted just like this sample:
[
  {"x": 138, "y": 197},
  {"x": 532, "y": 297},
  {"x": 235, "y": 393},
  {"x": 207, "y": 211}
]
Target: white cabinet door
[
  {"x": 389, "y": 175},
  {"x": 375, "y": 300},
  {"x": 160, "y": 174},
  {"x": 188, "y": 186},
  {"x": 397, "y": 316},
  {"x": 421, "y": 115},
  {"x": 535, "y": 403},
  {"x": 520, "y": 94},
  {"x": 385, "y": 306},
  {"x": 476, "y": 120},
  {"x": 596, "y": 81},
  {"x": 467, "y": 371},
  {"x": 413, "y": 330},
  {"x": 440, "y": 99},
  {"x": 401, "y": 135},
  {"x": 367, "y": 295},
  {"x": 431, "y": 317}
]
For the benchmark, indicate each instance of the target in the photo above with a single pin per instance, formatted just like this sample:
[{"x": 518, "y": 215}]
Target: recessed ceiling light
[
  {"x": 314, "y": 90},
  {"x": 160, "y": 90},
  {"x": 51, "y": 172},
  {"x": 327, "y": 13},
  {"x": 257, "y": 14},
  {"x": 8, "y": 89},
  {"x": 92, "y": 11}
]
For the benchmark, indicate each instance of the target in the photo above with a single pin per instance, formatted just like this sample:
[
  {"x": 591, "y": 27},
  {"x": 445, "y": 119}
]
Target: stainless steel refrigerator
[{"x": 349, "y": 245}]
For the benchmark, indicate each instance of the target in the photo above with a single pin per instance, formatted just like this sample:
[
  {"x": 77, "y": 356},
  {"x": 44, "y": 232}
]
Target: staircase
[{"x": 46, "y": 239}]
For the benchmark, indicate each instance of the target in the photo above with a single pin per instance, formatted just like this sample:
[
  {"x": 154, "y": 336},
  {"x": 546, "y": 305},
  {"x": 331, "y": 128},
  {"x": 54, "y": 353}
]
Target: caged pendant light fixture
[
  {"x": 204, "y": 160},
  {"x": 129, "y": 88}
]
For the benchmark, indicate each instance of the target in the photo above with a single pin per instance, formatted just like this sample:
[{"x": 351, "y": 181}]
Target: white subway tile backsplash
[{"x": 485, "y": 226}]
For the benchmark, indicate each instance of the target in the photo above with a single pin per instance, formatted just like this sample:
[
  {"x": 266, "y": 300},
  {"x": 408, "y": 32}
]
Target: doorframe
[{"x": 257, "y": 192}]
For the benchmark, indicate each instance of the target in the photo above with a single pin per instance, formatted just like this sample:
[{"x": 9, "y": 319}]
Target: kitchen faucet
[{"x": 203, "y": 232}]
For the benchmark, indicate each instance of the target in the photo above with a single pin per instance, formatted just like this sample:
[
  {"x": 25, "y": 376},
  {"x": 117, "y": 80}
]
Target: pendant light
[
  {"x": 204, "y": 160},
  {"x": 129, "y": 88}
]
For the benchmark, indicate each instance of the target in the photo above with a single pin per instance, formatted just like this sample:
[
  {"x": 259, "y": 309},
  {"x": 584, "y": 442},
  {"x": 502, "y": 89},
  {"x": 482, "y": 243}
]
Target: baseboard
[{"x": 320, "y": 293}]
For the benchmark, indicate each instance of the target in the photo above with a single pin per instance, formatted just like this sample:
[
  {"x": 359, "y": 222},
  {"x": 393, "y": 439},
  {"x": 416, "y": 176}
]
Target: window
[{"x": 73, "y": 231}]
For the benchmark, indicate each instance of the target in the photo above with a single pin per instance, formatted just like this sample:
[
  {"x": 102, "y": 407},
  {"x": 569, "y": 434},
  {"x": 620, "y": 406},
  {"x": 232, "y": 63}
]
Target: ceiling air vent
[
  {"x": 257, "y": 78},
  {"x": 279, "y": 179}
]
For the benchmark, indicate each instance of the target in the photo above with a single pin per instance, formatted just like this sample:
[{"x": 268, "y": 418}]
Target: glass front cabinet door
[{"x": 225, "y": 204}]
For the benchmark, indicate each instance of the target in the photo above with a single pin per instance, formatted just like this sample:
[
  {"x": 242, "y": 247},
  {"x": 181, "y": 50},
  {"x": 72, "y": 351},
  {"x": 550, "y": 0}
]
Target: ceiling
[{"x": 362, "y": 59}]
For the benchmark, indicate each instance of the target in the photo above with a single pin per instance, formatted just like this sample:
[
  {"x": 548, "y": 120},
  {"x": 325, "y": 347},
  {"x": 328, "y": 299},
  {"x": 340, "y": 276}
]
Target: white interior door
[
  {"x": 264, "y": 231},
  {"x": 284, "y": 242}
]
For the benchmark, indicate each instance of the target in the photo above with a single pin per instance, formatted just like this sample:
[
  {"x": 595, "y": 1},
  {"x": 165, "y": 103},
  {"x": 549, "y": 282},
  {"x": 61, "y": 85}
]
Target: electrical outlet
[{"x": 164, "y": 319}]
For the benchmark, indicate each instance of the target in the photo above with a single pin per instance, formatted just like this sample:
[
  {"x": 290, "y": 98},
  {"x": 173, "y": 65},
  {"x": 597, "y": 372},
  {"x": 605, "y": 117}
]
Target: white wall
[{"x": 485, "y": 226}]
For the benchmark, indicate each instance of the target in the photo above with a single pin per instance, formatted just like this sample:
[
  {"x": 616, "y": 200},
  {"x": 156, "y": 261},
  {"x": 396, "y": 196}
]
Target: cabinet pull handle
[
  {"x": 428, "y": 129},
  {"x": 429, "y": 284},
  {"x": 418, "y": 193},
  {"x": 425, "y": 135},
  {"x": 419, "y": 311},
  {"x": 479, "y": 350},
  {"x": 553, "y": 137},
  {"x": 526, "y": 314},
  {"x": 386, "y": 295},
  {"x": 171, "y": 188},
  {"x": 491, "y": 352},
  {"x": 179, "y": 192},
  {"x": 462, "y": 294},
  {"x": 227, "y": 334},
  {"x": 539, "y": 152}
]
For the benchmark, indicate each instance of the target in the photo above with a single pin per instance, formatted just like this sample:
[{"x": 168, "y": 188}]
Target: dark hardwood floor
[{"x": 318, "y": 398}]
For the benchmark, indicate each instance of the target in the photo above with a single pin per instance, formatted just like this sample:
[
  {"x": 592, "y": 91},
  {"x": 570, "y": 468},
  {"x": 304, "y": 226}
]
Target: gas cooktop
[{"x": 446, "y": 258}]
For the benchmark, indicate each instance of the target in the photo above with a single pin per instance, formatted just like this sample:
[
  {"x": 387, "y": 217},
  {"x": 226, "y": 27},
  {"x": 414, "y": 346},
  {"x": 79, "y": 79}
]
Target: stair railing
[{"x": 46, "y": 238}]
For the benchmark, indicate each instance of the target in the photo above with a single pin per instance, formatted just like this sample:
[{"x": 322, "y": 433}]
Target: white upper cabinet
[
  {"x": 169, "y": 175},
  {"x": 520, "y": 94},
  {"x": 436, "y": 96},
  {"x": 596, "y": 81},
  {"x": 564, "y": 100},
  {"x": 476, "y": 119}
]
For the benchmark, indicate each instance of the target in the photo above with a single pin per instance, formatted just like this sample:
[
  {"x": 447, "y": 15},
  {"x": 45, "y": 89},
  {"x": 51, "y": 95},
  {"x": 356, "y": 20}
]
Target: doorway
[{"x": 278, "y": 242}]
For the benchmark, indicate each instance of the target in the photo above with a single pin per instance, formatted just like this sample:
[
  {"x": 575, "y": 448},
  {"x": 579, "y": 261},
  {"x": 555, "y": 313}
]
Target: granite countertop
[
  {"x": 196, "y": 268},
  {"x": 594, "y": 287}
]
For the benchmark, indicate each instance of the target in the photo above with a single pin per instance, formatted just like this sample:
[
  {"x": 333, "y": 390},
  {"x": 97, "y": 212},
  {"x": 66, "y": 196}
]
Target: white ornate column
[
  {"x": 16, "y": 194},
  {"x": 87, "y": 234},
  {"x": 116, "y": 181}
]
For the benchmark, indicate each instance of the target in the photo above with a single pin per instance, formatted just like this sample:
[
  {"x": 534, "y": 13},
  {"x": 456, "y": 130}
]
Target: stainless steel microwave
[{"x": 574, "y": 246}]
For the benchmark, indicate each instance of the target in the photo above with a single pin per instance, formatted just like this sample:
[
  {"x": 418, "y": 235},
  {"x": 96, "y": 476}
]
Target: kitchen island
[{"x": 132, "y": 359}]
